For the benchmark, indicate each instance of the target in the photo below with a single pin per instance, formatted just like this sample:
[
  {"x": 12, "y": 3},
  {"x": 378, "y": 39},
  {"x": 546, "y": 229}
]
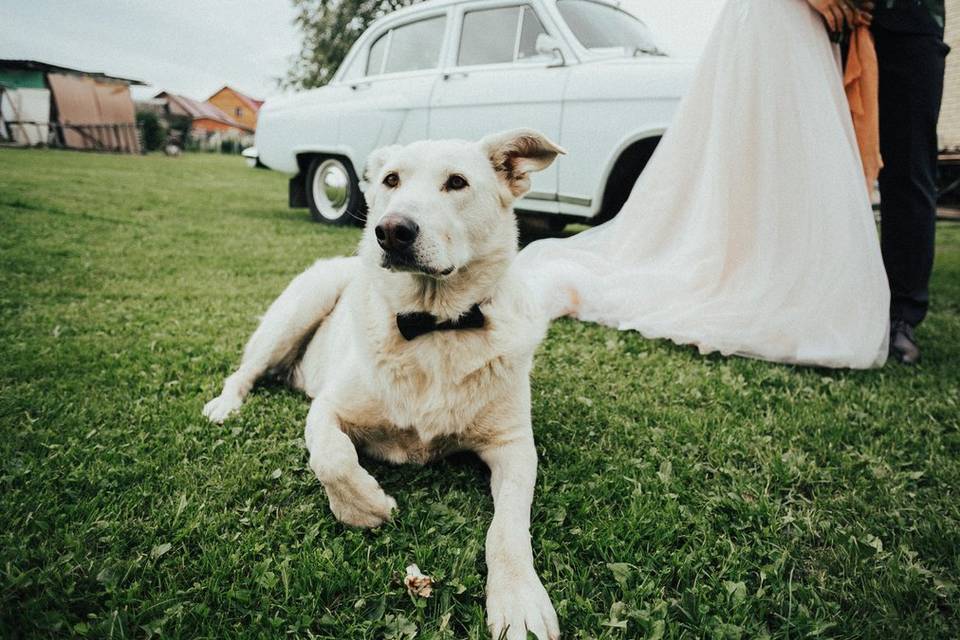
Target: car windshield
[{"x": 602, "y": 26}]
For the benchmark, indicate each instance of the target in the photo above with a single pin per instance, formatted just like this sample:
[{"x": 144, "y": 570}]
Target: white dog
[{"x": 422, "y": 345}]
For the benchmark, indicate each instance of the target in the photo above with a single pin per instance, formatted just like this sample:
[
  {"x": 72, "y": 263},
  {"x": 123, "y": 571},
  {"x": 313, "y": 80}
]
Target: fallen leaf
[{"x": 418, "y": 584}]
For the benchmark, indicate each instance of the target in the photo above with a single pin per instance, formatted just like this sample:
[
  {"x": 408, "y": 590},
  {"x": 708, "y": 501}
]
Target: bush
[
  {"x": 230, "y": 146},
  {"x": 180, "y": 129},
  {"x": 154, "y": 131}
]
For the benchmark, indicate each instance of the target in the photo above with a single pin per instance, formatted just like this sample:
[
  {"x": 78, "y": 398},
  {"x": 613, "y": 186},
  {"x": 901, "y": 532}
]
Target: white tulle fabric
[{"x": 750, "y": 232}]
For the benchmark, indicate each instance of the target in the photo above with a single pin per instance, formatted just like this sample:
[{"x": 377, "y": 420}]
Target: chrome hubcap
[{"x": 331, "y": 189}]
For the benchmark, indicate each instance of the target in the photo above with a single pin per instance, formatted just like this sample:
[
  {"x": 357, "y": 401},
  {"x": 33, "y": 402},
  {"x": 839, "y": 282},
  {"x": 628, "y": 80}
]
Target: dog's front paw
[
  {"x": 518, "y": 603},
  {"x": 221, "y": 407},
  {"x": 356, "y": 499}
]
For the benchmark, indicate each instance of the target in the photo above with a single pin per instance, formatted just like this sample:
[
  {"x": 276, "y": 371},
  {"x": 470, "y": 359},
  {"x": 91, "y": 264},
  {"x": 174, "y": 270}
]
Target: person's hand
[
  {"x": 865, "y": 14},
  {"x": 837, "y": 13}
]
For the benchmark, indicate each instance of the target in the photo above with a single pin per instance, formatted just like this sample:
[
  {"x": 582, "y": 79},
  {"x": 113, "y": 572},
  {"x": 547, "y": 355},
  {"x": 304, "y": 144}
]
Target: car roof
[
  {"x": 413, "y": 10},
  {"x": 417, "y": 8},
  {"x": 437, "y": 4}
]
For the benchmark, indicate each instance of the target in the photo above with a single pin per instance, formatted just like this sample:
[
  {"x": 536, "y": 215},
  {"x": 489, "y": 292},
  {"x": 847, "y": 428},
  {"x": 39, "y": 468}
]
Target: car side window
[
  {"x": 530, "y": 30},
  {"x": 376, "y": 57},
  {"x": 410, "y": 47},
  {"x": 488, "y": 36},
  {"x": 355, "y": 70},
  {"x": 498, "y": 36}
]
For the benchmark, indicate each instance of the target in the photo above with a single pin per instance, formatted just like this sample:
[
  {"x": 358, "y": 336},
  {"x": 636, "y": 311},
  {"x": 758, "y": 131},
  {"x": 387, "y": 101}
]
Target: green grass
[{"x": 679, "y": 496}]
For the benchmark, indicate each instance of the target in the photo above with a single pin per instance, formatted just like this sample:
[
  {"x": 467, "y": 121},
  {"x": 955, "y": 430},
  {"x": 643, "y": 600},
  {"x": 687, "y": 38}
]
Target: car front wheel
[{"x": 333, "y": 192}]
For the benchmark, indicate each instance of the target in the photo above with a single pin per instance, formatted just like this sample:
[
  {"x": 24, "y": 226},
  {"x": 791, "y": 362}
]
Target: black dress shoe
[{"x": 903, "y": 346}]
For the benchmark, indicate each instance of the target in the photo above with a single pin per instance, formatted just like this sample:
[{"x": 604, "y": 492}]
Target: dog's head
[{"x": 435, "y": 207}]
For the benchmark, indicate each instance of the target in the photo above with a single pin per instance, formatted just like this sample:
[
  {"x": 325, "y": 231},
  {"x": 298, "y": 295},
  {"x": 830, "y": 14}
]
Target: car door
[
  {"x": 495, "y": 80},
  {"x": 388, "y": 85}
]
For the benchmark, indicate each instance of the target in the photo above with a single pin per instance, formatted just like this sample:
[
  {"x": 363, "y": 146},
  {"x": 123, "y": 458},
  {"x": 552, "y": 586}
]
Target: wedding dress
[{"x": 750, "y": 232}]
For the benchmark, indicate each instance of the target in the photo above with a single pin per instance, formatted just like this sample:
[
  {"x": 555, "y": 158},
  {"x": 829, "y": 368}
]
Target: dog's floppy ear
[
  {"x": 515, "y": 153},
  {"x": 376, "y": 160}
]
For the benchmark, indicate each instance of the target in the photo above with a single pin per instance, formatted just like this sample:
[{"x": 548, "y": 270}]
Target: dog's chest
[
  {"x": 432, "y": 396},
  {"x": 404, "y": 445}
]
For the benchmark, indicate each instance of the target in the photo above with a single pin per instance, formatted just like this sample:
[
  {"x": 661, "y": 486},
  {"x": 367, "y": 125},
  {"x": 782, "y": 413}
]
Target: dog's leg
[
  {"x": 287, "y": 323},
  {"x": 516, "y": 600},
  {"x": 355, "y": 496}
]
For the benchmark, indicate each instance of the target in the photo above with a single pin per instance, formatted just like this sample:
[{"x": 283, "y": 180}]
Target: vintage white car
[{"x": 585, "y": 72}]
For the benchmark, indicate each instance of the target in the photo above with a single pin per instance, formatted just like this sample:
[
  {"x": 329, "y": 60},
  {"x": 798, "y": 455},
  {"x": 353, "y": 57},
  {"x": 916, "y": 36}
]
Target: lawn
[{"x": 679, "y": 496}]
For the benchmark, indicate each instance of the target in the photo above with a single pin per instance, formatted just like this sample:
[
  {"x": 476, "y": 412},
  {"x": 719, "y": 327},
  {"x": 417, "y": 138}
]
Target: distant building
[
  {"x": 24, "y": 105},
  {"x": 43, "y": 103},
  {"x": 205, "y": 116},
  {"x": 209, "y": 125},
  {"x": 950, "y": 111},
  {"x": 238, "y": 106}
]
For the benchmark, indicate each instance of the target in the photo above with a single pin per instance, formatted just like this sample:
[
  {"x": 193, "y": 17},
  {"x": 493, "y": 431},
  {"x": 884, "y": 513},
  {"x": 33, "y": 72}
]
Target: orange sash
[{"x": 861, "y": 80}]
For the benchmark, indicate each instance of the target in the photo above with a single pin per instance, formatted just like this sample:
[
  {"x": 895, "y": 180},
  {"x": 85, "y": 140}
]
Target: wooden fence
[{"x": 119, "y": 138}]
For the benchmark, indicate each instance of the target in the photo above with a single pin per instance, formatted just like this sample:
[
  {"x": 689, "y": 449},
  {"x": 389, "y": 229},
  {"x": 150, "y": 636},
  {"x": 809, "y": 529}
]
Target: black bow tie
[{"x": 414, "y": 325}]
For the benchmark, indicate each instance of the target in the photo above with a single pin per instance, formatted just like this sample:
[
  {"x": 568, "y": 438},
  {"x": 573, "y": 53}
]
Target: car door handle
[
  {"x": 456, "y": 75},
  {"x": 360, "y": 86}
]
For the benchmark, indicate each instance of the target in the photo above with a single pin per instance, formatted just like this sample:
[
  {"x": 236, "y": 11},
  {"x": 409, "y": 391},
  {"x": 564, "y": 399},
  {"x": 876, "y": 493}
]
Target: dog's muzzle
[{"x": 396, "y": 234}]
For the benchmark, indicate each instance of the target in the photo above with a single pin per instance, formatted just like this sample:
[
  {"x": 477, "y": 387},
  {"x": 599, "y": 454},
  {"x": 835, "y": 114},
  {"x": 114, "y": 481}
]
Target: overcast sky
[{"x": 196, "y": 46}]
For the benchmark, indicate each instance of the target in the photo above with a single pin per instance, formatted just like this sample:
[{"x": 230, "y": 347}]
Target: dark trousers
[{"x": 911, "y": 88}]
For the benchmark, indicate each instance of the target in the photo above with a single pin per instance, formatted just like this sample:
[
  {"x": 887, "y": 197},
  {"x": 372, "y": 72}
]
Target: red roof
[{"x": 197, "y": 110}]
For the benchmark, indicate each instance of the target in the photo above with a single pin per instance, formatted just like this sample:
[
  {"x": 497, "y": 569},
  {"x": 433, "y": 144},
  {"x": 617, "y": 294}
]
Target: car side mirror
[{"x": 547, "y": 45}]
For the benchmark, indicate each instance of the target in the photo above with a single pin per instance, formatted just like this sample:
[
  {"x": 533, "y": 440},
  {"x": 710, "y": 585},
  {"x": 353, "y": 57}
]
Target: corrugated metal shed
[
  {"x": 21, "y": 78},
  {"x": 86, "y": 110},
  {"x": 24, "y": 115},
  {"x": 94, "y": 114},
  {"x": 45, "y": 67}
]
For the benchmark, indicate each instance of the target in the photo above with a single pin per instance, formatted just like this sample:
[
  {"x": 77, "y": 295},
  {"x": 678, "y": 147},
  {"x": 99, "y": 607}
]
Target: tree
[
  {"x": 154, "y": 133},
  {"x": 179, "y": 130},
  {"x": 329, "y": 28}
]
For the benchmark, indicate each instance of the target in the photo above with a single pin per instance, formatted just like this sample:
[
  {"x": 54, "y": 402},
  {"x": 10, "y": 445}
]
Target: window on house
[{"x": 238, "y": 112}]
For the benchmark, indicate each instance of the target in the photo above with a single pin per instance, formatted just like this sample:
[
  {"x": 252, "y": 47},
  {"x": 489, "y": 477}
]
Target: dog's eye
[
  {"x": 456, "y": 183},
  {"x": 391, "y": 180}
]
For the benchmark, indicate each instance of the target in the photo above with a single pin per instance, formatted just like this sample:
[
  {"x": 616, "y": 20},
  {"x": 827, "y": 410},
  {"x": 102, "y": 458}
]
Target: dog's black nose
[{"x": 396, "y": 233}]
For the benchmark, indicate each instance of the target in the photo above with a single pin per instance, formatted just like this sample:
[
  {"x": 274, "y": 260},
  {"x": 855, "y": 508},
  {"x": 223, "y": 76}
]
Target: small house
[
  {"x": 209, "y": 125},
  {"x": 238, "y": 106}
]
